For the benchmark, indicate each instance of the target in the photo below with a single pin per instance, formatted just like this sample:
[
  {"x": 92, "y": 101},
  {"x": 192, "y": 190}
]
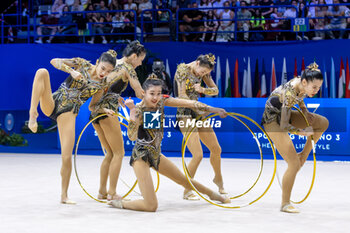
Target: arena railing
[
  {"x": 89, "y": 28},
  {"x": 30, "y": 36},
  {"x": 324, "y": 30},
  {"x": 235, "y": 19},
  {"x": 154, "y": 22},
  {"x": 16, "y": 28},
  {"x": 296, "y": 28}
]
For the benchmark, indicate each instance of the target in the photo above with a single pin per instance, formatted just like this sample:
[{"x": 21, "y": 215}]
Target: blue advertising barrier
[
  {"x": 20, "y": 61},
  {"x": 233, "y": 136}
]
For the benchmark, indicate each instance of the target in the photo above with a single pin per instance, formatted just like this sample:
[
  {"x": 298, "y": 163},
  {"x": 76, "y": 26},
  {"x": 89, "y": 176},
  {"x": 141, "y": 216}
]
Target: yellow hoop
[
  {"x": 75, "y": 160},
  {"x": 314, "y": 158},
  {"x": 184, "y": 143}
]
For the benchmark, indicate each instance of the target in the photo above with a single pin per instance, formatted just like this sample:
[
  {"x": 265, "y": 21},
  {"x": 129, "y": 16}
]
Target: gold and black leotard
[
  {"x": 284, "y": 96},
  {"x": 185, "y": 78},
  {"x": 73, "y": 93},
  {"x": 147, "y": 146},
  {"x": 115, "y": 88}
]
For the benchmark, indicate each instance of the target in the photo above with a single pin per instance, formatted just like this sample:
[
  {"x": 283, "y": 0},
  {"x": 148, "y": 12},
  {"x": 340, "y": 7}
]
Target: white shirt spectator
[
  {"x": 218, "y": 4},
  {"x": 289, "y": 13},
  {"x": 118, "y": 22},
  {"x": 146, "y": 5},
  {"x": 69, "y": 3},
  {"x": 202, "y": 7},
  {"x": 57, "y": 6},
  {"x": 133, "y": 6}
]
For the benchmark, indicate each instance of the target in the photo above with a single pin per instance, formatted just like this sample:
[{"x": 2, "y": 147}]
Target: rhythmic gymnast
[
  {"x": 146, "y": 152},
  {"x": 279, "y": 120},
  {"x": 84, "y": 80},
  {"x": 108, "y": 127},
  {"x": 188, "y": 79}
]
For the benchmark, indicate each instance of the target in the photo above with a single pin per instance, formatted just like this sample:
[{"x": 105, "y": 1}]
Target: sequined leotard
[
  {"x": 115, "y": 88},
  {"x": 285, "y": 96},
  {"x": 73, "y": 93}
]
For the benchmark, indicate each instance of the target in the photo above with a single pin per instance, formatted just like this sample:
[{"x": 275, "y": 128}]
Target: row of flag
[{"x": 231, "y": 88}]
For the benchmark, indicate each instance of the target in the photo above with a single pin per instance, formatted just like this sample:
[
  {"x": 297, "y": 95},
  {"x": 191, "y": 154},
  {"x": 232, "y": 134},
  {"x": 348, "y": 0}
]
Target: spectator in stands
[
  {"x": 226, "y": 24},
  {"x": 129, "y": 26},
  {"x": 184, "y": 3},
  {"x": 289, "y": 15},
  {"x": 243, "y": 17},
  {"x": 253, "y": 3},
  {"x": 114, "y": 5},
  {"x": 57, "y": 7},
  {"x": 218, "y": 3},
  {"x": 85, "y": 3},
  {"x": 50, "y": 29},
  {"x": 312, "y": 9},
  {"x": 147, "y": 15},
  {"x": 337, "y": 21},
  {"x": 69, "y": 3},
  {"x": 77, "y": 6},
  {"x": 118, "y": 26},
  {"x": 266, "y": 11},
  {"x": 130, "y": 6},
  {"x": 98, "y": 27},
  {"x": 65, "y": 22},
  {"x": 275, "y": 24},
  {"x": 191, "y": 23},
  {"x": 304, "y": 13},
  {"x": 257, "y": 24},
  {"x": 210, "y": 25},
  {"x": 102, "y": 7},
  {"x": 205, "y": 4},
  {"x": 282, "y": 4},
  {"x": 319, "y": 24}
]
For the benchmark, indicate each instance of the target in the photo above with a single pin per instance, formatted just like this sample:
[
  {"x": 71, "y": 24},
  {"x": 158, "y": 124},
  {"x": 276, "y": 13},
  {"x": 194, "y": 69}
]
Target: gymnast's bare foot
[
  {"x": 217, "y": 197},
  {"x": 220, "y": 184},
  {"x": 115, "y": 196},
  {"x": 32, "y": 124},
  {"x": 67, "y": 201}
]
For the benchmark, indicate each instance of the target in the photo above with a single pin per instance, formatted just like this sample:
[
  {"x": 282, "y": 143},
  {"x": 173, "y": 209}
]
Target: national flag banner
[
  {"x": 341, "y": 81},
  {"x": 332, "y": 93},
  {"x": 273, "y": 82},
  {"x": 167, "y": 68},
  {"x": 236, "y": 92},
  {"x": 325, "y": 82},
  {"x": 227, "y": 81},
  {"x": 295, "y": 68},
  {"x": 263, "y": 80},
  {"x": 247, "y": 81},
  {"x": 347, "y": 74},
  {"x": 302, "y": 67},
  {"x": 244, "y": 77},
  {"x": 284, "y": 72},
  {"x": 256, "y": 88},
  {"x": 218, "y": 76}
]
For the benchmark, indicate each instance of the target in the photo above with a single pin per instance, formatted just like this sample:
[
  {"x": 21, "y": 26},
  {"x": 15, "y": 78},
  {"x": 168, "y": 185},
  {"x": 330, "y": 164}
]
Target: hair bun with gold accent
[
  {"x": 313, "y": 66},
  {"x": 211, "y": 58},
  {"x": 112, "y": 53},
  {"x": 152, "y": 76}
]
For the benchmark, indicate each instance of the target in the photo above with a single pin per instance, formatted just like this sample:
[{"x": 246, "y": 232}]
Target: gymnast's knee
[
  {"x": 42, "y": 72},
  {"x": 151, "y": 206},
  {"x": 216, "y": 150}
]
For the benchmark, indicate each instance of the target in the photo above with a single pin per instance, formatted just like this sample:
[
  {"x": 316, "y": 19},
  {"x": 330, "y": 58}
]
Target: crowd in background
[{"x": 267, "y": 20}]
